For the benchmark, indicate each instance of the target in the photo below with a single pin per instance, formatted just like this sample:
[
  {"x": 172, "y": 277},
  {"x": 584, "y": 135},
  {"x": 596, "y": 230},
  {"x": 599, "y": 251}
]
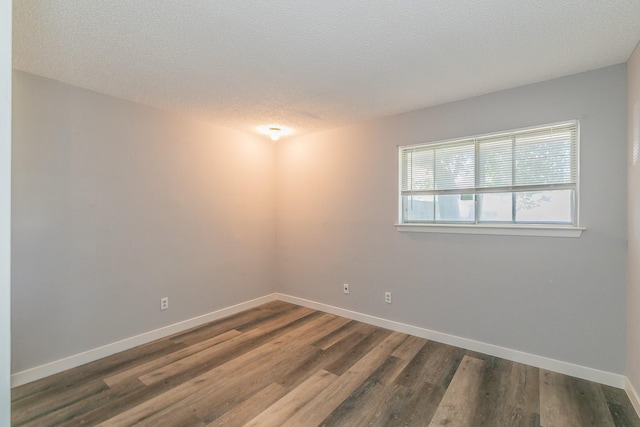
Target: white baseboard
[
  {"x": 602, "y": 377},
  {"x": 634, "y": 397},
  {"x": 42, "y": 371},
  {"x": 566, "y": 368}
]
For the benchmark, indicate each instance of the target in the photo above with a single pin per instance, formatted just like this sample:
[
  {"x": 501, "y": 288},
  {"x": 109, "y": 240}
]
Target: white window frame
[{"x": 533, "y": 229}]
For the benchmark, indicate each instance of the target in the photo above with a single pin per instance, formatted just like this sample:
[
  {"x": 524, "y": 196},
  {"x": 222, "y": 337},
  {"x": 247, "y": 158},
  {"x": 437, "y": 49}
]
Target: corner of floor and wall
[{"x": 109, "y": 219}]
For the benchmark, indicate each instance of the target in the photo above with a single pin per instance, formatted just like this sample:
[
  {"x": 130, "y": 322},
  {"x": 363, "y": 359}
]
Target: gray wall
[
  {"x": 633, "y": 256},
  {"x": 116, "y": 205},
  {"x": 557, "y": 297},
  {"x": 5, "y": 210}
]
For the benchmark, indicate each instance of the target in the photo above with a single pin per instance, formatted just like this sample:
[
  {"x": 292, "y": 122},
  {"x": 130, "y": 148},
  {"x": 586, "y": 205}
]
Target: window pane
[
  {"x": 545, "y": 158},
  {"x": 417, "y": 169},
  {"x": 455, "y": 208},
  {"x": 554, "y": 206},
  {"x": 495, "y": 161},
  {"x": 417, "y": 208},
  {"x": 455, "y": 166},
  {"x": 495, "y": 207}
]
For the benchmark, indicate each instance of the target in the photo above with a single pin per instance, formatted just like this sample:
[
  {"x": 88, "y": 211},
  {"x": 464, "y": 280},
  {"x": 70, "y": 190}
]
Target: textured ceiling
[{"x": 313, "y": 65}]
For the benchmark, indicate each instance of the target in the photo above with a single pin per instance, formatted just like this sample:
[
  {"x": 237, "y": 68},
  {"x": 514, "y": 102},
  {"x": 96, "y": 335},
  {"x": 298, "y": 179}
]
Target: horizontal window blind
[{"x": 528, "y": 162}]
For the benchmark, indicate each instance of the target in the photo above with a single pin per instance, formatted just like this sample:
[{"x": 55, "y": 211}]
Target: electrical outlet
[
  {"x": 164, "y": 303},
  {"x": 387, "y": 297},
  {"x": 345, "y": 288}
]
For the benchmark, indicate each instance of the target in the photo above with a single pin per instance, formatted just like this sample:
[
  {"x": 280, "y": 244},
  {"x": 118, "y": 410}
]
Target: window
[{"x": 523, "y": 178}]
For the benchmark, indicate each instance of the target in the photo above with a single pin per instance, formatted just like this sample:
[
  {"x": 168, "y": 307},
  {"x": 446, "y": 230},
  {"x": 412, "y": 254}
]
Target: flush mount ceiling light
[{"x": 274, "y": 131}]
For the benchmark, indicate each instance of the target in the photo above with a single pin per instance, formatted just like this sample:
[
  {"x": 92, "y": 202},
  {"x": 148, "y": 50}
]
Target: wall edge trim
[
  {"x": 633, "y": 394},
  {"x": 73, "y": 361}
]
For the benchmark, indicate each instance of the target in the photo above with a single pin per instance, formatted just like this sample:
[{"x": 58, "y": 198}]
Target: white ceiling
[{"x": 310, "y": 64}]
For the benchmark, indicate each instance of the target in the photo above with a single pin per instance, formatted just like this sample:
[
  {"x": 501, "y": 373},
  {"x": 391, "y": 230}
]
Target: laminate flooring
[{"x": 284, "y": 365}]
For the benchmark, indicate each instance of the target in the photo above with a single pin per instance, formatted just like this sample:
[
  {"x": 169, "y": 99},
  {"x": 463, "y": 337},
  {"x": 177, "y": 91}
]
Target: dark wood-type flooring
[{"x": 284, "y": 365}]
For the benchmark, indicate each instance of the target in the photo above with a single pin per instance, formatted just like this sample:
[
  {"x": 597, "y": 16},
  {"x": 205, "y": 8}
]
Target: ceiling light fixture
[{"x": 274, "y": 131}]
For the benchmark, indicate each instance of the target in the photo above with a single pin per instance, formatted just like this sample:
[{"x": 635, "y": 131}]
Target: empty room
[{"x": 337, "y": 213}]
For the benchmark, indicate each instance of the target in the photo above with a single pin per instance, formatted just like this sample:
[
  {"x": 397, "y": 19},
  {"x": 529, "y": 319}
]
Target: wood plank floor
[{"x": 284, "y": 365}]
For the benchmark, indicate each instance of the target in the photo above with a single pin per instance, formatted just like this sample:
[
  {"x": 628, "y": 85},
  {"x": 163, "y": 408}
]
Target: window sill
[{"x": 499, "y": 230}]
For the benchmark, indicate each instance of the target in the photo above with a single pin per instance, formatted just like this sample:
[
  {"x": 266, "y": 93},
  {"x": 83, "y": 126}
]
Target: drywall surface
[
  {"x": 116, "y": 205},
  {"x": 562, "y": 298},
  {"x": 5, "y": 211},
  {"x": 633, "y": 256}
]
